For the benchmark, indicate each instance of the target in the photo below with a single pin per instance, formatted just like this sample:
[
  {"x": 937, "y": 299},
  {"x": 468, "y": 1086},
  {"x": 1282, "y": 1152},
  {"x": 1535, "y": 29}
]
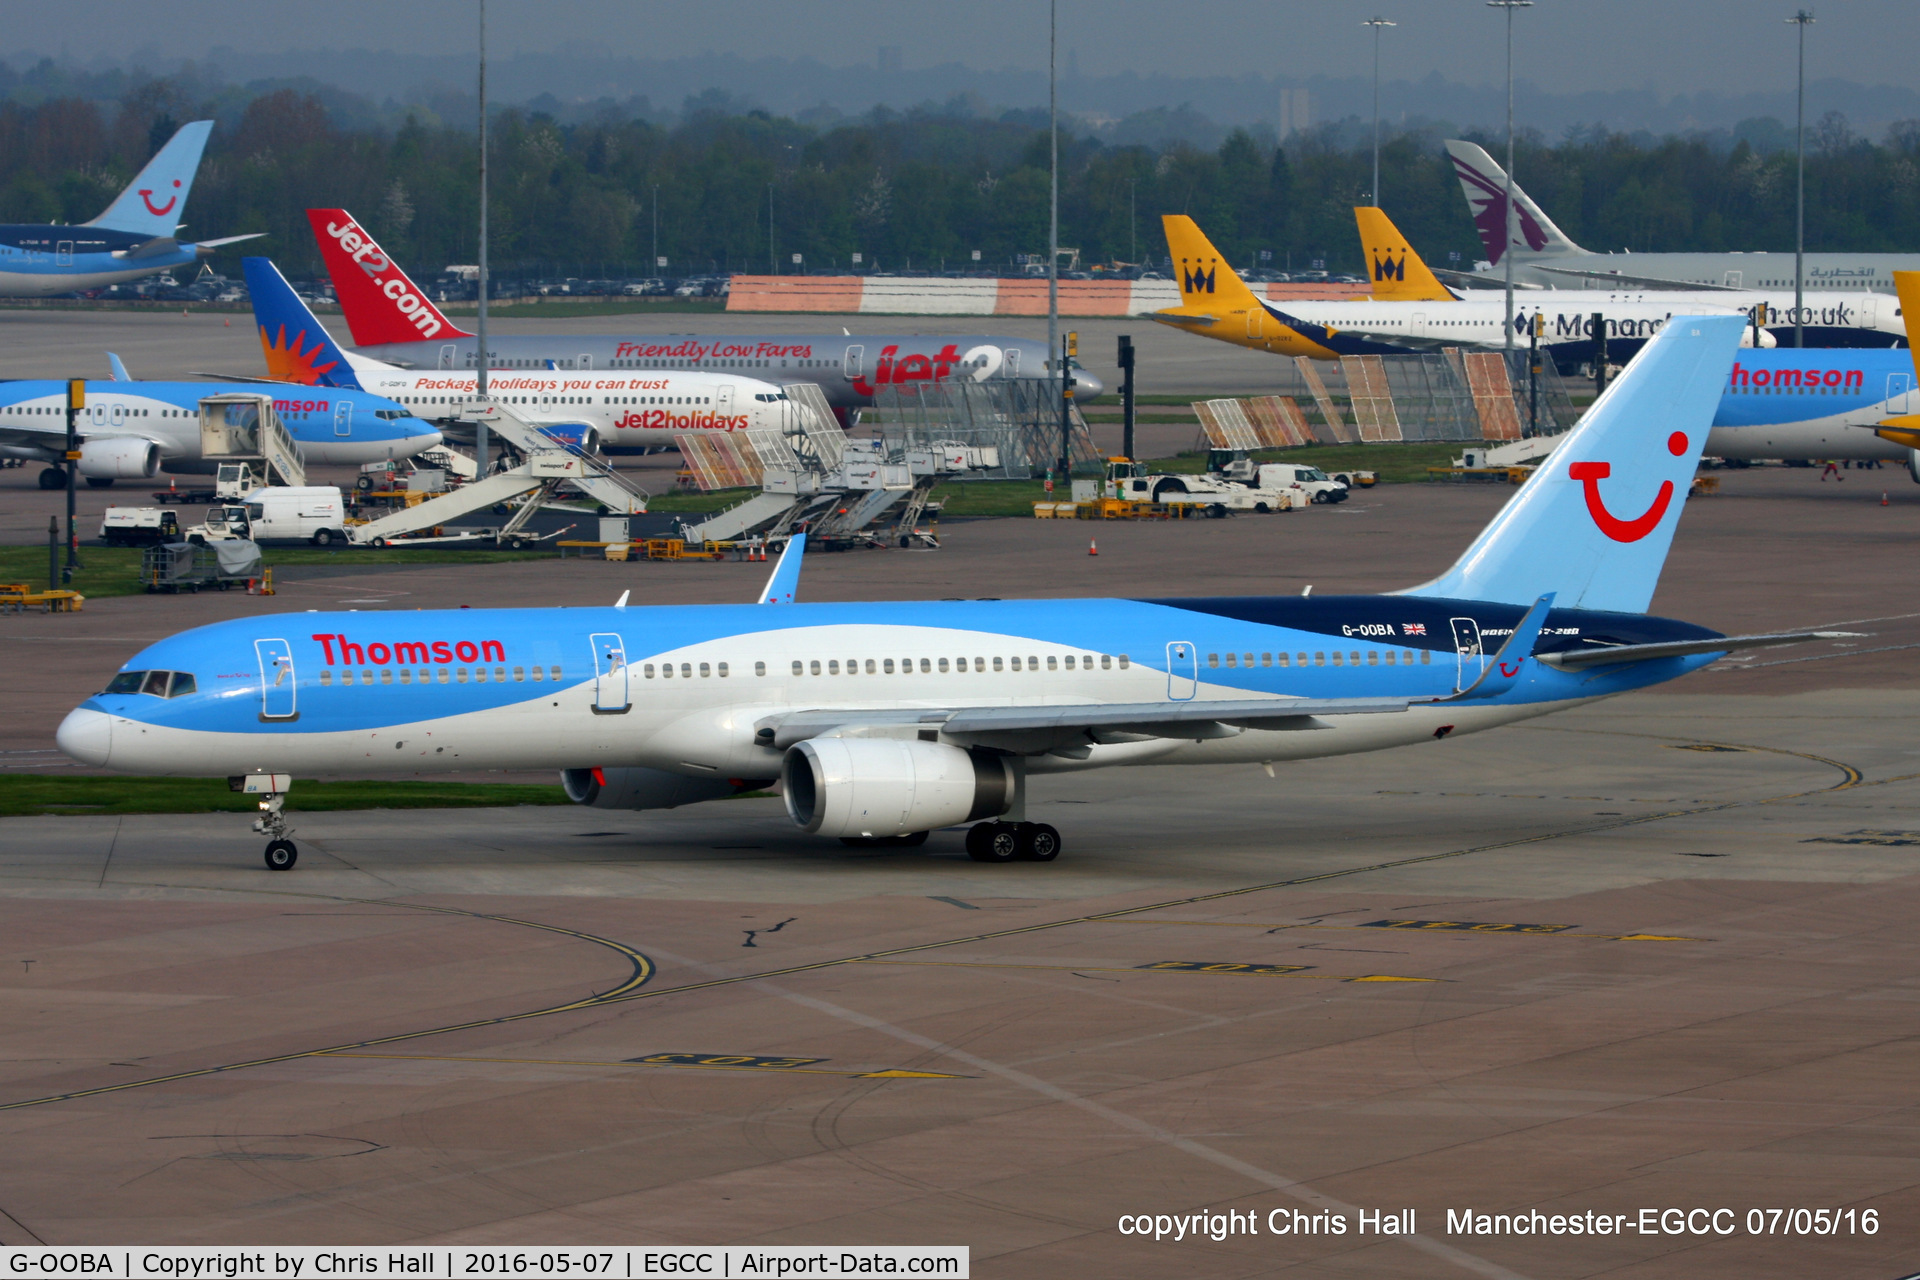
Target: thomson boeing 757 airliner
[{"x": 884, "y": 722}]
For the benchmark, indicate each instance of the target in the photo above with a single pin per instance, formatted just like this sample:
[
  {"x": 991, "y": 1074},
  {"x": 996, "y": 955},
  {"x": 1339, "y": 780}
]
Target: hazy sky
[{"x": 1664, "y": 46}]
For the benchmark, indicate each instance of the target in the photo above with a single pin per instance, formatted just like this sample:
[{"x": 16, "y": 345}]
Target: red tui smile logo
[
  {"x": 146, "y": 194},
  {"x": 1590, "y": 474}
]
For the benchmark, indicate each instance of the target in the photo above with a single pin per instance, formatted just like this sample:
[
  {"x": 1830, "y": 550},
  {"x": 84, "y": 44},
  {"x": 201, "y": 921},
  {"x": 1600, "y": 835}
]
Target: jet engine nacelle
[
  {"x": 892, "y": 786},
  {"x": 640, "y": 788},
  {"x": 1913, "y": 464},
  {"x": 121, "y": 459}
]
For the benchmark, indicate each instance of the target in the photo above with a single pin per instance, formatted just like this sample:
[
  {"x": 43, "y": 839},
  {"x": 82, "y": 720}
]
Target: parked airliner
[
  {"x": 883, "y": 722},
  {"x": 617, "y": 411},
  {"x": 1543, "y": 255},
  {"x": 392, "y": 319},
  {"x": 133, "y": 430},
  {"x": 135, "y": 237}
]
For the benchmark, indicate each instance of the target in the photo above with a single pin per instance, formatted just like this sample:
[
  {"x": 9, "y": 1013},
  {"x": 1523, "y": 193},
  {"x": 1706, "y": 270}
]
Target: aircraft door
[
  {"x": 1468, "y": 653},
  {"x": 585, "y": 361},
  {"x": 1183, "y": 671},
  {"x": 609, "y": 674},
  {"x": 1254, "y": 315},
  {"x": 850, "y": 363},
  {"x": 1013, "y": 362},
  {"x": 99, "y": 415},
  {"x": 1869, "y": 312},
  {"x": 119, "y": 415},
  {"x": 343, "y": 417},
  {"x": 723, "y": 398},
  {"x": 276, "y": 680},
  {"x": 446, "y": 356},
  {"x": 63, "y": 253},
  {"x": 1731, "y": 279},
  {"x": 1899, "y": 393},
  {"x": 1417, "y": 324}
]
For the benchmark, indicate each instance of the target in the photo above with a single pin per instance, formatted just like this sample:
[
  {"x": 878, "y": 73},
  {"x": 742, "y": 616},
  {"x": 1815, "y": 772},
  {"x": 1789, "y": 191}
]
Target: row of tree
[{"x": 923, "y": 190}]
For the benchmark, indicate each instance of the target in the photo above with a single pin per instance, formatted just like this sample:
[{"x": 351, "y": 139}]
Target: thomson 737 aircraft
[
  {"x": 617, "y": 411},
  {"x": 392, "y": 320},
  {"x": 132, "y": 430},
  {"x": 884, "y": 722},
  {"x": 1544, "y": 255},
  {"x": 135, "y": 237}
]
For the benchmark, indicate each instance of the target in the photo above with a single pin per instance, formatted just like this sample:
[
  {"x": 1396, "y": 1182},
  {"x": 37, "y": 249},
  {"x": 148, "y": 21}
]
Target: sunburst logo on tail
[{"x": 289, "y": 362}]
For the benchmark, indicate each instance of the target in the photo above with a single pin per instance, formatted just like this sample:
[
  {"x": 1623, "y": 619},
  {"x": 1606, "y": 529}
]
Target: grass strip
[{"x": 33, "y": 796}]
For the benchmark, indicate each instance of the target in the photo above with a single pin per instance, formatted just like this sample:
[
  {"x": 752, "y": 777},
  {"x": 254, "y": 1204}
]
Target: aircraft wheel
[
  {"x": 1038, "y": 842},
  {"x": 53, "y": 478},
  {"x": 281, "y": 855},
  {"x": 993, "y": 842}
]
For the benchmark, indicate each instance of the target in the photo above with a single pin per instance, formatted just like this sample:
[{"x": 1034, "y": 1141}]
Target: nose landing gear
[{"x": 281, "y": 852}]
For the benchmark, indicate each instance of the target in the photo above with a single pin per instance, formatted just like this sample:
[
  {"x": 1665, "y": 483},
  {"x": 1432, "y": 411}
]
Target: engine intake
[
  {"x": 123, "y": 458},
  {"x": 892, "y": 786},
  {"x": 639, "y": 788}
]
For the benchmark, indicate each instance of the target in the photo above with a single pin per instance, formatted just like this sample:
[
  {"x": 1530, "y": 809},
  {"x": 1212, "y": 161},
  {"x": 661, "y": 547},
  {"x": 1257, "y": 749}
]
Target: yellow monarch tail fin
[
  {"x": 1205, "y": 278},
  {"x": 1398, "y": 273}
]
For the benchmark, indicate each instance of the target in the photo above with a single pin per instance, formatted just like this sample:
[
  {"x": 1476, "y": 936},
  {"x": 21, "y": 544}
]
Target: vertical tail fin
[
  {"x": 1398, "y": 273},
  {"x": 1205, "y": 278},
  {"x": 297, "y": 348},
  {"x": 155, "y": 201},
  {"x": 381, "y": 304},
  {"x": 1484, "y": 183},
  {"x": 1594, "y": 523}
]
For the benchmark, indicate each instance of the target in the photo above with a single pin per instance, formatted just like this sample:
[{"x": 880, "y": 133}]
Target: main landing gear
[{"x": 1012, "y": 842}]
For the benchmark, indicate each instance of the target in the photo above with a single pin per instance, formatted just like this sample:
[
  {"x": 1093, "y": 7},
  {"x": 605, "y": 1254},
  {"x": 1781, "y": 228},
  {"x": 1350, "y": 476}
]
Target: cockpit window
[
  {"x": 390, "y": 415},
  {"x": 160, "y": 684}
]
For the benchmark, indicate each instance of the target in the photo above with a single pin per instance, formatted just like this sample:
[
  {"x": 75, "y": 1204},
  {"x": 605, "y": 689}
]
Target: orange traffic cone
[
  {"x": 229, "y": 324},
  {"x": 1093, "y": 547},
  {"x": 1883, "y": 497}
]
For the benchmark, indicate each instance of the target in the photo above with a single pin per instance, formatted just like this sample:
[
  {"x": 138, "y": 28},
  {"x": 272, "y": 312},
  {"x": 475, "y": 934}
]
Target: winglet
[
  {"x": 1504, "y": 671},
  {"x": 621, "y": 603},
  {"x": 120, "y": 373},
  {"x": 785, "y": 579}
]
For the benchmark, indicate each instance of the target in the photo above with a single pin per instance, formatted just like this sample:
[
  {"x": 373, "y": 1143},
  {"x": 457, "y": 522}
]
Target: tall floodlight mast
[
  {"x": 482, "y": 359},
  {"x": 1506, "y": 254},
  {"x": 1803, "y": 19},
  {"x": 1376, "y": 23}
]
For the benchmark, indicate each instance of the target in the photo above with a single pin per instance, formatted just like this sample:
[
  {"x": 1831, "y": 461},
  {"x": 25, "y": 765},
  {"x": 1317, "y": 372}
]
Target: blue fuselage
[
  {"x": 329, "y": 424},
  {"x": 40, "y": 260},
  {"x": 681, "y": 688},
  {"x": 1812, "y": 403}
]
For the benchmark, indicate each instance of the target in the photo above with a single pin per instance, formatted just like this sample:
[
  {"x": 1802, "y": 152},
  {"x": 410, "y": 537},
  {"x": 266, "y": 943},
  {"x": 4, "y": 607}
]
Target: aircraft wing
[
  {"x": 1481, "y": 279},
  {"x": 1580, "y": 659},
  {"x": 55, "y": 439},
  {"x": 1043, "y": 728},
  {"x": 1640, "y": 282}
]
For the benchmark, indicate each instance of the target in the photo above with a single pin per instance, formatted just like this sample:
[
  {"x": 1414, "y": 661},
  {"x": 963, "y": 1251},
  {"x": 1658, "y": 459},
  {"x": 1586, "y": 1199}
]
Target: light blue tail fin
[
  {"x": 155, "y": 201},
  {"x": 1593, "y": 524},
  {"x": 297, "y": 347}
]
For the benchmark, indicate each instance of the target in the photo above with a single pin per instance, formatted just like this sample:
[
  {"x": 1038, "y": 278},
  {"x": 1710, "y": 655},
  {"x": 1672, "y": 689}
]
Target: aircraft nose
[
  {"x": 86, "y": 735},
  {"x": 1086, "y": 386}
]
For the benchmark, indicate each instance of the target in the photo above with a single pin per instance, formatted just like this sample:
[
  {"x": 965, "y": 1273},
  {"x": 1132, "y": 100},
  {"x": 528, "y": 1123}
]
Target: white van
[{"x": 310, "y": 513}]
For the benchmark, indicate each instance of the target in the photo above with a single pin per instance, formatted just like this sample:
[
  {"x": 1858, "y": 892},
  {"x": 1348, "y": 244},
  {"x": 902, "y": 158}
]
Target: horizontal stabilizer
[
  {"x": 205, "y": 248},
  {"x": 1579, "y": 659}
]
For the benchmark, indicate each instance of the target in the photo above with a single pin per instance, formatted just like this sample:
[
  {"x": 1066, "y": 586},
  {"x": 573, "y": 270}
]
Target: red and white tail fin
[{"x": 381, "y": 304}]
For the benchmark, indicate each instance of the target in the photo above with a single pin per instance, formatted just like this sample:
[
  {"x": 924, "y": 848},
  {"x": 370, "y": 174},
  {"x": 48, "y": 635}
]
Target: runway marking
[
  {"x": 698, "y": 1062},
  {"x": 1532, "y": 930},
  {"x": 1869, "y": 836},
  {"x": 644, "y": 970},
  {"x": 1162, "y": 966}
]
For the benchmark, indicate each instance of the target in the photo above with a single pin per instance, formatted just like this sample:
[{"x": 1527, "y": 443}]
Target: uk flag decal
[{"x": 1413, "y": 628}]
